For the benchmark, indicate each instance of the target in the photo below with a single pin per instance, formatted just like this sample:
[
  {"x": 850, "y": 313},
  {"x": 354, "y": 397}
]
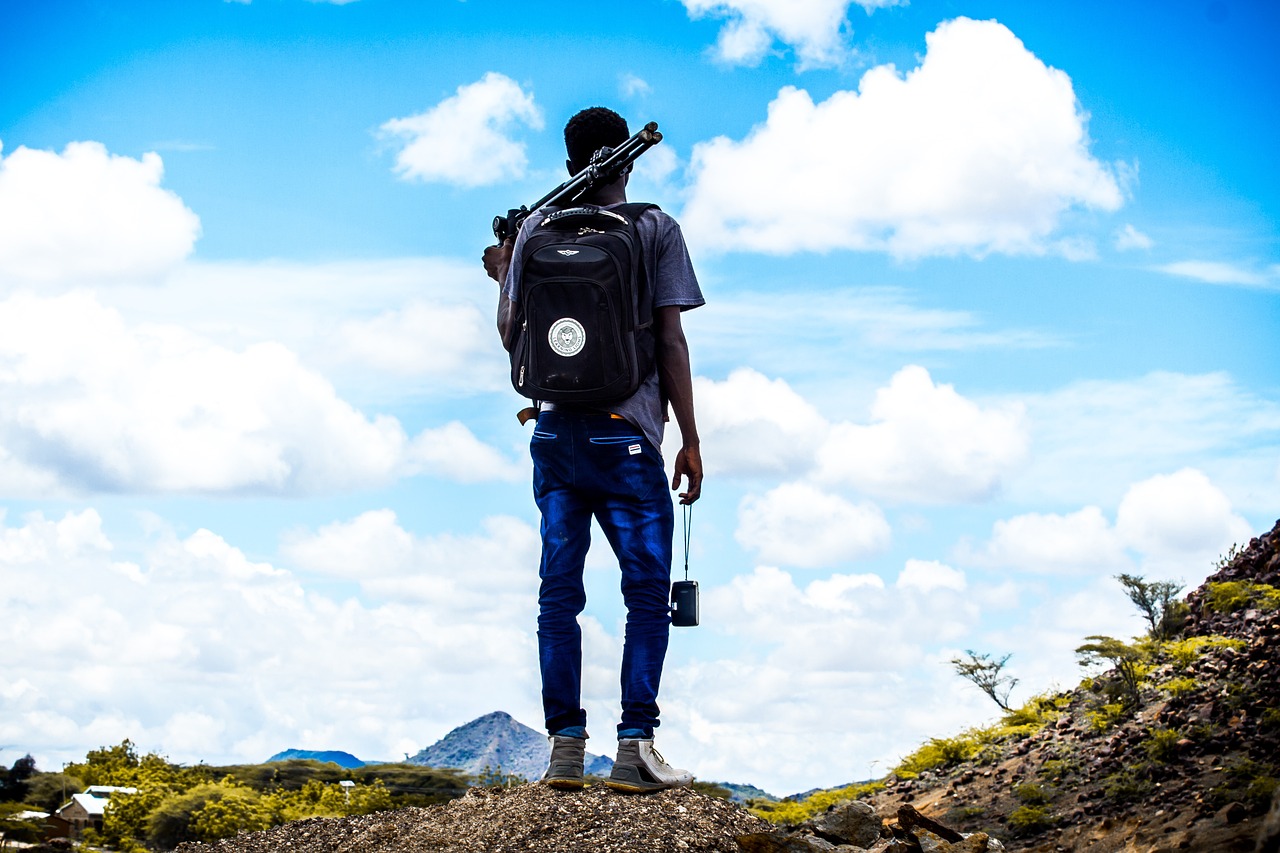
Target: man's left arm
[{"x": 677, "y": 382}]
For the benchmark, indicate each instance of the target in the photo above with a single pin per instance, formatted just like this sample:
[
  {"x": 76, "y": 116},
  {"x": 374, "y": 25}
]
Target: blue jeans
[{"x": 588, "y": 465}]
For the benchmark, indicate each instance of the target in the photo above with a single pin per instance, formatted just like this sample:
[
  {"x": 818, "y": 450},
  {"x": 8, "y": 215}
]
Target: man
[{"x": 606, "y": 462}]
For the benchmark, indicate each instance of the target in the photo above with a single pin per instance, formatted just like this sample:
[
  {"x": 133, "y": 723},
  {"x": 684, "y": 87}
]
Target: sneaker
[
  {"x": 640, "y": 769},
  {"x": 564, "y": 771}
]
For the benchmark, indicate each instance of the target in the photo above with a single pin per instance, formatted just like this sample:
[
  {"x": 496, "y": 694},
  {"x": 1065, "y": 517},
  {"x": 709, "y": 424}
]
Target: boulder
[{"x": 853, "y": 823}]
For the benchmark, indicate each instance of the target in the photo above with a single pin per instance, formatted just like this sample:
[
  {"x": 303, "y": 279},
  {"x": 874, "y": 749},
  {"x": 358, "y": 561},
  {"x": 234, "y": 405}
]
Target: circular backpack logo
[{"x": 567, "y": 337}]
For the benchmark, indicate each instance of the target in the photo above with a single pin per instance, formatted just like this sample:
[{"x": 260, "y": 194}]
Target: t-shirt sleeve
[{"x": 675, "y": 282}]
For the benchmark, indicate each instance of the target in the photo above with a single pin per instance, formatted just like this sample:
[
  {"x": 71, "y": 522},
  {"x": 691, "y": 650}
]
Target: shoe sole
[
  {"x": 629, "y": 780},
  {"x": 565, "y": 784}
]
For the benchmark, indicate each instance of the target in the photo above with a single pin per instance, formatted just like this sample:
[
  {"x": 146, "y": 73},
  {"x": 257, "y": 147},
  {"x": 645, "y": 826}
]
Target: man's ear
[{"x": 568, "y": 164}]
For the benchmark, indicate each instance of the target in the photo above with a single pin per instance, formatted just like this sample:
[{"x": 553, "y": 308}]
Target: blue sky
[{"x": 993, "y": 314}]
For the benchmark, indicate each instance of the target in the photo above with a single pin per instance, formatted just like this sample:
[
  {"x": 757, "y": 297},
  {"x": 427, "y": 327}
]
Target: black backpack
[{"x": 584, "y": 327}]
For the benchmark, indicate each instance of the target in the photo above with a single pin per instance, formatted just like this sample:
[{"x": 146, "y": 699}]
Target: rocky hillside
[
  {"x": 1177, "y": 748},
  {"x": 498, "y": 743},
  {"x": 1193, "y": 767}
]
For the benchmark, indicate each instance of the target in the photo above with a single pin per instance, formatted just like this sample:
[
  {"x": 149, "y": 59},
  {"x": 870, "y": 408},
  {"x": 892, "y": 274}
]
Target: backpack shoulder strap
[{"x": 648, "y": 259}]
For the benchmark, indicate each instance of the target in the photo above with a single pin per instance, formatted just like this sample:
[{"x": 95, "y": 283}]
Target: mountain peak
[{"x": 498, "y": 743}]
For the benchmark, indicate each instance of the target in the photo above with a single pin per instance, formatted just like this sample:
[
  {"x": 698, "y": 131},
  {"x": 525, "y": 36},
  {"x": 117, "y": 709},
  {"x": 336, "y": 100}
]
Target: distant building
[{"x": 85, "y": 810}]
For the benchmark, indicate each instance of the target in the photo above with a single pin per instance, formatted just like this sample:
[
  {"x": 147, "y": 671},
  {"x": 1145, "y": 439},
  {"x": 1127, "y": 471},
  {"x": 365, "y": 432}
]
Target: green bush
[
  {"x": 1031, "y": 794},
  {"x": 1230, "y": 596},
  {"x": 791, "y": 812},
  {"x": 1127, "y": 786},
  {"x": 1028, "y": 820},
  {"x": 1162, "y": 745},
  {"x": 1179, "y": 686}
]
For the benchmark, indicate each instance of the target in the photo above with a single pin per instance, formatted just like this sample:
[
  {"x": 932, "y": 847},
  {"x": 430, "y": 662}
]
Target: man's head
[{"x": 589, "y": 131}]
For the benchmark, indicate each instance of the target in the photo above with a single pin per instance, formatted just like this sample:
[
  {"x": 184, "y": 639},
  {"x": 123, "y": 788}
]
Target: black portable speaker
[{"x": 684, "y": 604}]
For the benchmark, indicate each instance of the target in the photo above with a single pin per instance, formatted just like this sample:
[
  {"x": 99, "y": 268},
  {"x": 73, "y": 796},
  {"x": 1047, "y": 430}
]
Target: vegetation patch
[
  {"x": 1247, "y": 781},
  {"x": 791, "y": 812},
  {"x": 1230, "y": 596},
  {"x": 1183, "y": 653},
  {"x": 1129, "y": 785},
  {"x": 1161, "y": 745},
  {"x": 1179, "y": 686},
  {"x": 1028, "y": 820},
  {"x": 1031, "y": 794}
]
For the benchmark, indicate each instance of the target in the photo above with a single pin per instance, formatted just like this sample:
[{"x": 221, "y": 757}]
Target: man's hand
[
  {"x": 497, "y": 259},
  {"x": 688, "y": 464}
]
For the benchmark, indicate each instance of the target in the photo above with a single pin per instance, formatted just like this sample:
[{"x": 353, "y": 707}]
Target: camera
[{"x": 684, "y": 604}]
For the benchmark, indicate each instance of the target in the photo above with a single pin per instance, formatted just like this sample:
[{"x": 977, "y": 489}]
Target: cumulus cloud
[
  {"x": 926, "y": 444},
  {"x": 198, "y": 624},
  {"x": 755, "y": 425},
  {"x": 1179, "y": 515},
  {"x": 980, "y": 149},
  {"x": 1082, "y": 542},
  {"x": 88, "y": 402},
  {"x": 465, "y": 139},
  {"x": 927, "y": 575},
  {"x": 812, "y": 28},
  {"x": 419, "y": 338},
  {"x": 86, "y": 214},
  {"x": 1169, "y": 524},
  {"x": 799, "y": 525}
]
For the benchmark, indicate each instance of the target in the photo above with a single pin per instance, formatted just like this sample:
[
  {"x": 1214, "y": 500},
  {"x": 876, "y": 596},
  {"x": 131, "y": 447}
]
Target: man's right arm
[{"x": 497, "y": 260}]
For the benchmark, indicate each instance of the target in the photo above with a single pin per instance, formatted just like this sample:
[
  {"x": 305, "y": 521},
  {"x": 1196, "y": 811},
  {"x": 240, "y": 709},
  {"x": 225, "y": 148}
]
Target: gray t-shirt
[{"x": 673, "y": 283}]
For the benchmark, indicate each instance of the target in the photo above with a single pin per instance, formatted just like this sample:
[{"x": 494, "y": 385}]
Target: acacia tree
[
  {"x": 984, "y": 671},
  {"x": 1127, "y": 661},
  {"x": 1158, "y": 603}
]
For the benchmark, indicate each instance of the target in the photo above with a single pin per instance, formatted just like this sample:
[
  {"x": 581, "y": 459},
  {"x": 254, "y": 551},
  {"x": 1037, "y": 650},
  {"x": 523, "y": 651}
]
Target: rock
[
  {"x": 854, "y": 823},
  {"x": 1269, "y": 837},
  {"x": 781, "y": 842},
  {"x": 1232, "y": 813}
]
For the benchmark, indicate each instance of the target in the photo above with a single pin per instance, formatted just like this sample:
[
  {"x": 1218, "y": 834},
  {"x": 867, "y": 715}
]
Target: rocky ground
[{"x": 1194, "y": 768}]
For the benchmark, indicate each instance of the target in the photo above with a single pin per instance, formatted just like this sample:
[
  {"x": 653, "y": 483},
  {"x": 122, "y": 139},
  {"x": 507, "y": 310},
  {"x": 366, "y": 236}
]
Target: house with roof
[{"x": 87, "y": 809}]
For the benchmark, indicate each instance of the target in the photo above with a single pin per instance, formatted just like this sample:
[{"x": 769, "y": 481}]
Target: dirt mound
[{"x": 523, "y": 819}]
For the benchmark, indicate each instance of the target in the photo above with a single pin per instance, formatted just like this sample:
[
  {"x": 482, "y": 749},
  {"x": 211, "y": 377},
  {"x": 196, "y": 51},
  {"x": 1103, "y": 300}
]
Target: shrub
[
  {"x": 1129, "y": 785},
  {"x": 1162, "y": 745},
  {"x": 1028, "y": 820},
  {"x": 1103, "y": 718},
  {"x": 792, "y": 812},
  {"x": 1230, "y": 596},
  {"x": 1179, "y": 686},
  {"x": 1057, "y": 768},
  {"x": 1184, "y": 652},
  {"x": 1031, "y": 794}
]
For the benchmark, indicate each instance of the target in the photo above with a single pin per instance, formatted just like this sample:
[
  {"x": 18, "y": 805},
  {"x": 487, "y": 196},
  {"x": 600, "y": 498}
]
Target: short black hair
[{"x": 593, "y": 129}]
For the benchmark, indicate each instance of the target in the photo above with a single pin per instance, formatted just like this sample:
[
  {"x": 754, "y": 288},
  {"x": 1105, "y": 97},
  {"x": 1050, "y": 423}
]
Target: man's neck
[{"x": 614, "y": 193}]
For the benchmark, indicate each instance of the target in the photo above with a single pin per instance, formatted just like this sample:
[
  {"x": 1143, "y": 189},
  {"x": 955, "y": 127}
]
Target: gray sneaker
[
  {"x": 640, "y": 769},
  {"x": 564, "y": 771}
]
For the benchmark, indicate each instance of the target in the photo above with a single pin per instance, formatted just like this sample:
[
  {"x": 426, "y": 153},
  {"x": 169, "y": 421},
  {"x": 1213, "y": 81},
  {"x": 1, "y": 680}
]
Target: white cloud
[
  {"x": 90, "y": 403},
  {"x": 631, "y": 86},
  {"x": 927, "y": 575},
  {"x": 981, "y": 149},
  {"x": 1180, "y": 515},
  {"x": 267, "y": 663},
  {"x": 419, "y": 338},
  {"x": 1128, "y": 238},
  {"x": 1093, "y": 439},
  {"x": 1219, "y": 272},
  {"x": 811, "y": 27},
  {"x": 926, "y": 444},
  {"x": 86, "y": 214},
  {"x": 1081, "y": 542},
  {"x": 465, "y": 139},
  {"x": 798, "y": 525},
  {"x": 752, "y": 424},
  {"x": 1166, "y": 525}
]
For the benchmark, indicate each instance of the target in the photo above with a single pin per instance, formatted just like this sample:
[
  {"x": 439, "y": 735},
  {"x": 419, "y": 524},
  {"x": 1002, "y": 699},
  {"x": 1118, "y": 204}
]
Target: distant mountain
[
  {"x": 745, "y": 793},
  {"x": 498, "y": 743},
  {"x": 342, "y": 759}
]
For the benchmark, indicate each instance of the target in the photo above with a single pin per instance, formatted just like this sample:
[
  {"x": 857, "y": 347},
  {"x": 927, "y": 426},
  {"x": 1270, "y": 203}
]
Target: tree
[
  {"x": 984, "y": 671},
  {"x": 1129, "y": 663},
  {"x": 51, "y": 790},
  {"x": 13, "y": 786},
  {"x": 1158, "y": 603}
]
